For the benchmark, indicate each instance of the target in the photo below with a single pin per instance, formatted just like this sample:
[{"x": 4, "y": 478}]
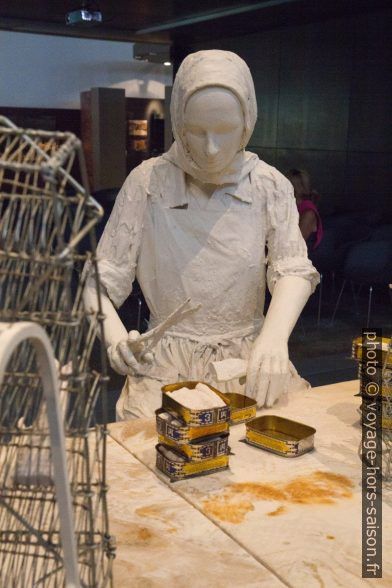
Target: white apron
[{"x": 216, "y": 256}]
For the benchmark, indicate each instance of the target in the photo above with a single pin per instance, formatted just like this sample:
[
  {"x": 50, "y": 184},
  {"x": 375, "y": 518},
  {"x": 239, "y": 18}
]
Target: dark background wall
[{"x": 324, "y": 92}]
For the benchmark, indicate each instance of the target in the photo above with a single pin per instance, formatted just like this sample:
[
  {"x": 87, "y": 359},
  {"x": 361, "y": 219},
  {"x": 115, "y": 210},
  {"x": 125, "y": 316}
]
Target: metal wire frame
[
  {"x": 45, "y": 217},
  {"x": 11, "y": 336}
]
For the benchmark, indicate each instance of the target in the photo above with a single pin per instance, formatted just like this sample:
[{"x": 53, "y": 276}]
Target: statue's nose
[{"x": 212, "y": 146}]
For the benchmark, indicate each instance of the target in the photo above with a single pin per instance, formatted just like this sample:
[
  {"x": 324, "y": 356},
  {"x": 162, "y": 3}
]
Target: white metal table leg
[{"x": 12, "y": 335}]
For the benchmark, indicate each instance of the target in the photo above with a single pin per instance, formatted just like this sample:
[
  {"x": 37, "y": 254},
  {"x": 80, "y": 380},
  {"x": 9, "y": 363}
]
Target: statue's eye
[{"x": 196, "y": 131}]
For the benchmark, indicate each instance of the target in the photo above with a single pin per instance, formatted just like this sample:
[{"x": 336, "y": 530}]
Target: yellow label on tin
[
  {"x": 201, "y": 466},
  {"x": 186, "y": 449},
  {"x": 244, "y": 414},
  {"x": 265, "y": 441},
  {"x": 205, "y": 431}
]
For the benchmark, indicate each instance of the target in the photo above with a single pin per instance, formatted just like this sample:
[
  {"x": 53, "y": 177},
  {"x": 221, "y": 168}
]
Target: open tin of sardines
[
  {"x": 194, "y": 417},
  {"x": 203, "y": 448},
  {"x": 175, "y": 429},
  {"x": 177, "y": 467},
  {"x": 280, "y": 435}
]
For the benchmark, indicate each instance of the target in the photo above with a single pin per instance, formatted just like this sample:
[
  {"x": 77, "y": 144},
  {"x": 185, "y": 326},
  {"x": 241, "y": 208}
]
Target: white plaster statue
[{"x": 195, "y": 223}]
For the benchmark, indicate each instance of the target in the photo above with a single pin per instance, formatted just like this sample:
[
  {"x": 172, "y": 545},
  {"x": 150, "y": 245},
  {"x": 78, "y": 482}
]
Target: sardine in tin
[
  {"x": 240, "y": 408},
  {"x": 195, "y": 418}
]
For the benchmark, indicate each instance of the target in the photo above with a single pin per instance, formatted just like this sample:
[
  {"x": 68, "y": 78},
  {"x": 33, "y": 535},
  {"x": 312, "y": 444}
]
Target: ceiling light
[{"x": 84, "y": 16}]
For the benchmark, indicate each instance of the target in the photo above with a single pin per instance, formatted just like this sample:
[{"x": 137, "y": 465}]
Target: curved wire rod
[{"x": 12, "y": 335}]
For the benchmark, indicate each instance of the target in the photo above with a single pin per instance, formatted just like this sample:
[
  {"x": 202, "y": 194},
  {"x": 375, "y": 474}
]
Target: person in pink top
[{"x": 310, "y": 222}]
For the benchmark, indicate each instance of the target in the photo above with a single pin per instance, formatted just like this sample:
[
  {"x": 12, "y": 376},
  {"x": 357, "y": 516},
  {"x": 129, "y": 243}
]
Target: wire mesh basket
[{"x": 47, "y": 221}]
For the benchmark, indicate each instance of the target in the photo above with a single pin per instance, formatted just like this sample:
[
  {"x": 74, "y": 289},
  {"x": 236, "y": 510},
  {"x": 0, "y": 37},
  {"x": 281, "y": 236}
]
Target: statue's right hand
[{"x": 123, "y": 359}]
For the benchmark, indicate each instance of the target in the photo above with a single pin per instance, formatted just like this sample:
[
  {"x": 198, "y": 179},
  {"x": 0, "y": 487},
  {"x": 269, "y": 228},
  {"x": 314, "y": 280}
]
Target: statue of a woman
[{"x": 196, "y": 222}]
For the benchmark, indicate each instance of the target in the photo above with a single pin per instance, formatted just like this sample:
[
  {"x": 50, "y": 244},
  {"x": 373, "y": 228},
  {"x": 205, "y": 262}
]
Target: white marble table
[
  {"x": 162, "y": 540},
  {"x": 267, "y": 521}
]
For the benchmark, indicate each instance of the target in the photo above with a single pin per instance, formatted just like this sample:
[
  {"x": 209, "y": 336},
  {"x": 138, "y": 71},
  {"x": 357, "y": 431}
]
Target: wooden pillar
[{"x": 103, "y": 136}]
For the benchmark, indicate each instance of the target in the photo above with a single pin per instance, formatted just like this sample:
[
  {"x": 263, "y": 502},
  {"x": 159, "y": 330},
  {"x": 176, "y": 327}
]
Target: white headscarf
[{"x": 200, "y": 70}]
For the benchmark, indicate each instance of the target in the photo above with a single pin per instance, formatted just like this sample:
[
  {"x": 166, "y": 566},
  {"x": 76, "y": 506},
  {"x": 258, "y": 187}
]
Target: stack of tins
[
  {"x": 380, "y": 372},
  {"x": 191, "y": 442}
]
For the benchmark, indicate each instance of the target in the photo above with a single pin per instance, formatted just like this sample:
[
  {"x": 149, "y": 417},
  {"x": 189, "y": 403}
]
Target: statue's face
[{"x": 214, "y": 127}]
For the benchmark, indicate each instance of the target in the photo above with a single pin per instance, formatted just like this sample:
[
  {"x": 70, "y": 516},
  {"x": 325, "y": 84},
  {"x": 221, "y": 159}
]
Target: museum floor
[{"x": 321, "y": 353}]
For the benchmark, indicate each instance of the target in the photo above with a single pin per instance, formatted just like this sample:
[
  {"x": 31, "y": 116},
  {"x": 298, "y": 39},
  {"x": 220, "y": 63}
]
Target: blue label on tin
[
  {"x": 223, "y": 414},
  {"x": 207, "y": 451},
  {"x": 222, "y": 447},
  {"x": 206, "y": 418}
]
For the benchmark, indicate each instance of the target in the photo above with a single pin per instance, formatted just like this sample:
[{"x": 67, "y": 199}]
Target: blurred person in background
[{"x": 310, "y": 223}]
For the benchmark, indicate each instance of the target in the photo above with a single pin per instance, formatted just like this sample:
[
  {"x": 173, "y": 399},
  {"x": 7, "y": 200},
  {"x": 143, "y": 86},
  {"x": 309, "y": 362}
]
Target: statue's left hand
[{"x": 268, "y": 370}]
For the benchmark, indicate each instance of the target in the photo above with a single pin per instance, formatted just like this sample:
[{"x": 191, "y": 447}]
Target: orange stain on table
[
  {"x": 144, "y": 534},
  {"x": 319, "y": 488},
  {"x": 128, "y": 533},
  {"x": 155, "y": 512},
  {"x": 231, "y": 512},
  {"x": 152, "y": 512},
  {"x": 259, "y": 491},
  {"x": 275, "y": 513},
  {"x": 315, "y": 488}
]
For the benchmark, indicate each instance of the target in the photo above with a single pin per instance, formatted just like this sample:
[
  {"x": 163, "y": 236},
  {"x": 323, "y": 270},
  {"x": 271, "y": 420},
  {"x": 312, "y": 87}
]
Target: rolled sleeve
[
  {"x": 119, "y": 245},
  {"x": 287, "y": 251}
]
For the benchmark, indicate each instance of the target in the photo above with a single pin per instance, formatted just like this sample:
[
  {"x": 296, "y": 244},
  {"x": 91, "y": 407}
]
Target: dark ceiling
[{"x": 178, "y": 21}]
